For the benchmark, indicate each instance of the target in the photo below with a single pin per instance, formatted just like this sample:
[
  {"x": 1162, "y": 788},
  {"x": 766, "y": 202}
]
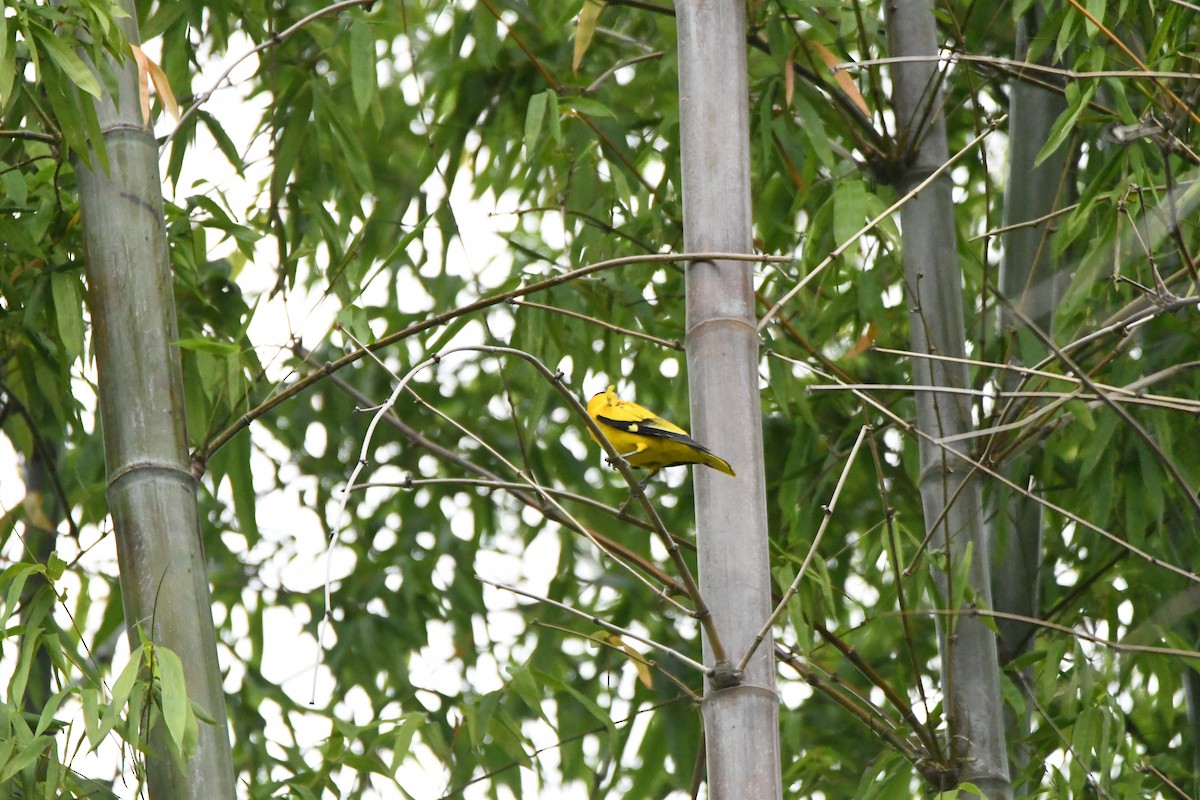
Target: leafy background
[{"x": 336, "y": 193}]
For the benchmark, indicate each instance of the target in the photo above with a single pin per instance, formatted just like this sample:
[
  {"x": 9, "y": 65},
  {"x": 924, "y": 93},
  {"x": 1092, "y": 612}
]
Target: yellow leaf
[
  {"x": 149, "y": 72},
  {"x": 639, "y": 663},
  {"x": 841, "y": 76},
  {"x": 143, "y": 81},
  {"x": 864, "y": 342},
  {"x": 588, "y": 17}
]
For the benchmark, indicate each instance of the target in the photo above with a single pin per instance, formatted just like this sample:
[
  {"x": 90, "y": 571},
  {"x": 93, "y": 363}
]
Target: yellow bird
[{"x": 646, "y": 440}]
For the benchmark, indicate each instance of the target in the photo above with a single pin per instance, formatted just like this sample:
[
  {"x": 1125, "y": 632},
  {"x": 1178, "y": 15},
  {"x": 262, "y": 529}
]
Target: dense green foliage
[{"x": 383, "y": 132}]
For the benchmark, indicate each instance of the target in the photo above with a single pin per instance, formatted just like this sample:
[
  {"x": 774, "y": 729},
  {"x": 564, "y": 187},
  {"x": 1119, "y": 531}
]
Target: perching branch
[{"x": 201, "y": 455}]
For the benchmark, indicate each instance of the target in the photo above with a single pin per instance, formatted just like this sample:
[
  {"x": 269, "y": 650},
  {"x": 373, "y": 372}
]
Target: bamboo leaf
[
  {"x": 90, "y": 701},
  {"x": 120, "y": 696},
  {"x": 402, "y": 736},
  {"x": 364, "y": 80},
  {"x": 208, "y": 346},
  {"x": 241, "y": 482},
  {"x": 162, "y": 86},
  {"x": 8, "y": 61},
  {"x": 1083, "y": 413},
  {"x": 15, "y": 576},
  {"x": 66, "y": 60},
  {"x": 50, "y": 709},
  {"x": 68, "y": 312},
  {"x": 25, "y": 755},
  {"x": 30, "y": 644},
  {"x": 589, "y": 16},
  {"x": 841, "y": 77},
  {"x": 849, "y": 208},
  {"x": 1077, "y": 101},
  {"x": 534, "y": 114},
  {"x": 224, "y": 143},
  {"x": 590, "y": 107},
  {"x": 174, "y": 698},
  {"x": 636, "y": 659}
]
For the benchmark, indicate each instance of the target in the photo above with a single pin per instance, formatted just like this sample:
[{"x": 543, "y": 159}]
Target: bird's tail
[{"x": 719, "y": 464}]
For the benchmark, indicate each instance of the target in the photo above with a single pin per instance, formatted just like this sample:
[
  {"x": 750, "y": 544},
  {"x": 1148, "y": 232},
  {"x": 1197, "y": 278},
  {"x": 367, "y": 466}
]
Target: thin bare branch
[
  {"x": 887, "y": 212},
  {"x": 1016, "y": 65},
  {"x": 201, "y": 455},
  {"x": 1120, "y": 647},
  {"x": 979, "y": 466},
  {"x": 599, "y": 323},
  {"x": 608, "y": 626},
  {"x": 827, "y": 515}
]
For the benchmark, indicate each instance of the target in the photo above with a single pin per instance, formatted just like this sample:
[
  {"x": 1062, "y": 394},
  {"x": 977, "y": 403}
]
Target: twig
[
  {"x": 519, "y": 490},
  {"x": 201, "y": 455},
  {"x": 1028, "y": 223},
  {"x": 478, "y": 778},
  {"x": 1122, "y": 395},
  {"x": 876, "y": 721},
  {"x": 827, "y": 512},
  {"x": 1145, "y": 765},
  {"x": 908, "y": 427},
  {"x": 341, "y": 510},
  {"x": 628, "y": 653},
  {"x": 837, "y": 251},
  {"x": 599, "y": 323},
  {"x": 543, "y": 493},
  {"x": 1119, "y": 647},
  {"x": 1014, "y": 65},
  {"x": 675, "y": 654},
  {"x": 594, "y": 85},
  {"x": 1125, "y": 416}
]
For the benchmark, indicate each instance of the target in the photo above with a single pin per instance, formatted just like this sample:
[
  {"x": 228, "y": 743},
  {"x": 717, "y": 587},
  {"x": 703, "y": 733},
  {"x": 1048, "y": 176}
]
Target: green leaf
[
  {"x": 66, "y": 60},
  {"x": 30, "y": 644},
  {"x": 1077, "y": 101},
  {"x": 224, "y": 143},
  {"x": 174, "y": 701},
  {"x": 48, "y": 710},
  {"x": 592, "y": 108},
  {"x": 90, "y": 700},
  {"x": 8, "y": 745},
  {"x": 241, "y": 482},
  {"x": 402, "y": 736},
  {"x": 813, "y": 128},
  {"x": 523, "y": 684},
  {"x": 535, "y": 112},
  {"x": 554, "y": 118},
  {"x": 25, "y": 755},
  {"x": 588, "y": 703},
  {"x": 55, "y": 566},
  {"x": 849, "y": 208},
  {"x": 120, "y": 696},
  {"x": 8, "y": 61},
  {"x": 1082, "y": 412},
  {"x": 68, "y": 312},
  {"x": 15, "y": 576},
  {"x": 13, "y": 181},
  {"x": 363, "y": 76},
  {"x": 208, "y": 346}
]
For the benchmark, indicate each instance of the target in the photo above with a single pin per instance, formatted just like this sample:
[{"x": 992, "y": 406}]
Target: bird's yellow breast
[{"x": 645, "y": 439}]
